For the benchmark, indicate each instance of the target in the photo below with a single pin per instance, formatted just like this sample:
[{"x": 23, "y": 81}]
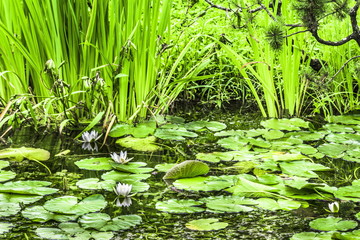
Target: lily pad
[
  {"x": 273, "y": 134},
  {"x": 212, "y": 125},
  {"x": 207, "y": 224},
  {"x": 285, "y": 124},
  {"x": 302, "y": 168},
  {"x": 95, "y": 164},
  {"x": 179, "y": 206},
  {"x": 5, "y": 227},
  {"x": 27, "y": 187},
  {"x": 174, "y": 133},
  {"x": 332, "y": 224},
  {"x": 40, "y": 214},
  {"x": 140, "y": 144},
  {"x": 95, "y": 184},
  {"x": 345, "y": 119},
  {"x": 283, "y": 204},
  {"x": 312, "y": 236},
  {"x": 122, "y": 176},
  {"x": 139, "y": 131},
  {"x": 6, "y": 175},
  {"x": 234, "y": 143},
  {"x": 244, "y": 186},
  {"x": 19, "y": 198},
  {"x": 187, "y": 169},
  {"x": 70, "y": 205},
  {"x": 132, "y": 167},
  {"x": 103, "y": 222},
  {"x": 164, "y": 167},
  {"x": 18, "y": 154},
  {"x": 229, "y": 204},
  {"x": 9, "y": 209},
  {"x": 212, "y": 183}
]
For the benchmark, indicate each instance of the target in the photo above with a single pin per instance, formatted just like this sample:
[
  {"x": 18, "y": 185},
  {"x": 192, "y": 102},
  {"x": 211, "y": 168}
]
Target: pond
[{"x": 261, "y": 179}]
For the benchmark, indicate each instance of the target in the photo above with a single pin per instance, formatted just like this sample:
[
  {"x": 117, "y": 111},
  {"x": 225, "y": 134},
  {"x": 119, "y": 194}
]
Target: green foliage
[
  {"x": 186, "y": 169},
  {"x": 332, "y": 224},
  {"x": 208, "y": 224}
]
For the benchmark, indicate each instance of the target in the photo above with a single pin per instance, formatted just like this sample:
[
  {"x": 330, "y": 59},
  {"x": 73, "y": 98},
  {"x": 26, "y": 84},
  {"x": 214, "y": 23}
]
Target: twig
[{"x": 342, "y": 67}]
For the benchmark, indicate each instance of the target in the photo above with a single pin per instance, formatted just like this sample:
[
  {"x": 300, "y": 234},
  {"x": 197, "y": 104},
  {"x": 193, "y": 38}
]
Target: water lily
[
  {"x": 88, "y": 146},
  {"x": 334, "y": 207},
  {"x": 125, "y": 203},
  {"x": 123, "y": 189},
  {"x": 90, "y": 136},
  {"x": 122, "y": 158}
]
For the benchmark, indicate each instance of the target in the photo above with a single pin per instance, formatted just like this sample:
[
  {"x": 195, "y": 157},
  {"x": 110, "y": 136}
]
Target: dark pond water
[{"x": 257, "y": 224}]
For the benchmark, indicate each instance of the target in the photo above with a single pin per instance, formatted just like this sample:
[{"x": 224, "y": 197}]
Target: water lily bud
[{"x": 50, "y": 64}]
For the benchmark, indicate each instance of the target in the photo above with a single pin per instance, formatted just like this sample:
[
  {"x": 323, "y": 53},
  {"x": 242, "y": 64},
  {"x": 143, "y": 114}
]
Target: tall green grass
[{"x": 87, "y": 56}]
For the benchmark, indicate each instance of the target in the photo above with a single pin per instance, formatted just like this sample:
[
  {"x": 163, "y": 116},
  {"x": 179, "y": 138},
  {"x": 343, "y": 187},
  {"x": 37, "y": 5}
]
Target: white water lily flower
[
  {"x": 125, "y": 203},
  {"x": 90, "y": 137},
  {"x": 334, "y": 207},
  {"x": 123, "y": 189},
  {"x": 122, "y": 158}
]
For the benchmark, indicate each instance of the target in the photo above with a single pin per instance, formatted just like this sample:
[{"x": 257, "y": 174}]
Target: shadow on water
[{"x": 259, "y": 224}]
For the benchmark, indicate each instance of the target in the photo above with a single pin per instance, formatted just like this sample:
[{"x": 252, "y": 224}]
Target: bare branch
[
  {"x": 218, "y": 7},
  {"x": 342, "y": 67}
]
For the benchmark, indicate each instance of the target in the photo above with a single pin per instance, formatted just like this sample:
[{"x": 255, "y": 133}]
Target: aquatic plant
[
  {"x": 89, "y": 137},
  {"x": 122, "y": 158},
  {"x": 123, "y": 189},
  {"x": 334, "y": 207}
]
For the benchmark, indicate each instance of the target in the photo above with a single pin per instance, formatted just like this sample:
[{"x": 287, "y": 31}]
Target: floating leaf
[
  {"x": 27, "y": 187},
  {"x": 19, "y": 198},
  {"x": 179, "y": 206},
  {"x": 285, "y": 124},
  {"x": 186, "y": 169},
  {"x": 103, "y": 222},
  {"x": 345, "y": 119},
  {"x": 333, "y": 150},
  {"x": 229, "y": 203},
  {"x": 8, "y": 209},
  {"x": 351, "y": 193},
  {"x": 312, "y": 236},
  {"x": 307, "y": 135},
  {"x": 69, "y": 204},
  {"x": 273, "y": 134},
  {"x": 212, "y": 125},
  {"x": 302, "y": 168},
  {"x": 140, "y": 144},
  {"x": 18, "y": 154},
  {"x": 164, "y": 167},
  {"x": 6, "y": 175},
  {"x": 174, "y": 133},
  {"x": 354, "y": 235},
  {"x": 227, "y": 156},
  {"x": 283, "y": 204},
  {"x": 5, "y": 227},
  {"x": 332, "y": 224},
  {"x": 95, "y": 184},
  {"x": 132, "y": 167},
  {"x": 244, "y": 186},
  {"x": 234, "y": 143},
  {"x": 338, "y": 128},
  {"x": 95, "y": 164},
  {"x": 212, "y": 183},
  {"x": 122, "y": 176},
  {"x": 140, "y": 131},
  {"x": 208, "y": 224},
  {"x": 40, "y": 214}
]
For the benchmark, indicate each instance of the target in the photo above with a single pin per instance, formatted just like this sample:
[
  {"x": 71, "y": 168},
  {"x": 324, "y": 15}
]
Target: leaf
[
  {"x": 27, "y": 187},
  {"x": 140, "y": 131},
  {"x": 121, "y": 176},
  {"x": 273, "y": 134},
  {"x": 332, "y": 224},
  {"x": 179, "y": 206},
  {"x": 333, "y": 150},
  {"x": 212, "y": 125},
  {"x": 40, "y": 214},
  {"x": 4, "y": 164},
  {"x": 302, "y": 168},
  {"x": 312, "y": 236},
  {"x": 5, "y": 227},
  {"x": 18, "y": 154},
  {"x": 6, "y": 175},
  {"x": 208, "y": 224},
  {"x": 69, "y": 204},
  {"x": 338, "y": 128},
  {"x": 212, "y": 183},
  {"x": 246, "y": 186},
  {"x": 283, "y": 204},
  {"x": 345, "y": 119},
  {"x": 95, "y": 164},
  {"x": 19, "y": 198},
  {"x": 140, "y": 144},
  {"x": 8, "y": 209},
  {"x": 131, "y": 167},
  {"x": 95, "y": 184},
  {"x": 234, "y": 143},
  {"x": 186, "y": 169},
  {"x": 103, "y": 222},
  {"x": 229, "y": 204},
  {"x": 173, "y": 133},
  {"x": 285, "y": 124},
  {"x": 164, "y": 167}
]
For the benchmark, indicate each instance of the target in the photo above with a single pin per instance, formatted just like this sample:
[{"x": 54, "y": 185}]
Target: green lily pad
[
  {"x": 283, "y": 204},
  {"x": 212, "y": 183},
  {"x": 103, "y": 222},
  {"x": 179, "y": 206},
  {"x": 19, "y": 198},
  {"x": 285, "y": 124},
  {"x": 234, "y": 143},
  {"x": 18, "y": 154},
  {"x": 178, "y": 133},
  {"x": 332, "y": 224},
  {"x": 6, "y": 175},
  {"x": 302, "y": 168},
  {"x": 259, "y": 142},
  {"x": 333, "y": 150},
  {"x": 273, "y": 134},
  {"x": 40, "y": 214},
  {"x": 227, "y": 156},
  {"x": 140, "y": 131},
  {"x": 345, "y": 119},
  {"x": 122, "y": 176},
  {"x": 140, "y": 144},
  {"x": 71, "y": 230},
  {"x": 354, "y": 235},
  {"x": 307, "y": 135},
  {"x": 95, "y": 184},
  {"x": 187, "y": 169},
  {"x": 131, "y": 167},
  {"x": 4, "y": 164},
  {"x": 338, "y": 128},
  {"x": 212, "y": 125},
  {"x": 207, "y": 224},
  {"x": 164, "y": 167},
  {"x": 244, "y": 186},
  {"x": 95, "y": 164},
  {"x": 27, "y": 187},
  {"x": 312, "y": 236},
  {"x": 70, "y": 205},
  {"x": 240, "y": 133},
  {"x": 9, "y": 209},
  {"x": 351, "y": 193},
  {"x": 229, "y": 204},
  {"x": 5, "y": 227}
]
